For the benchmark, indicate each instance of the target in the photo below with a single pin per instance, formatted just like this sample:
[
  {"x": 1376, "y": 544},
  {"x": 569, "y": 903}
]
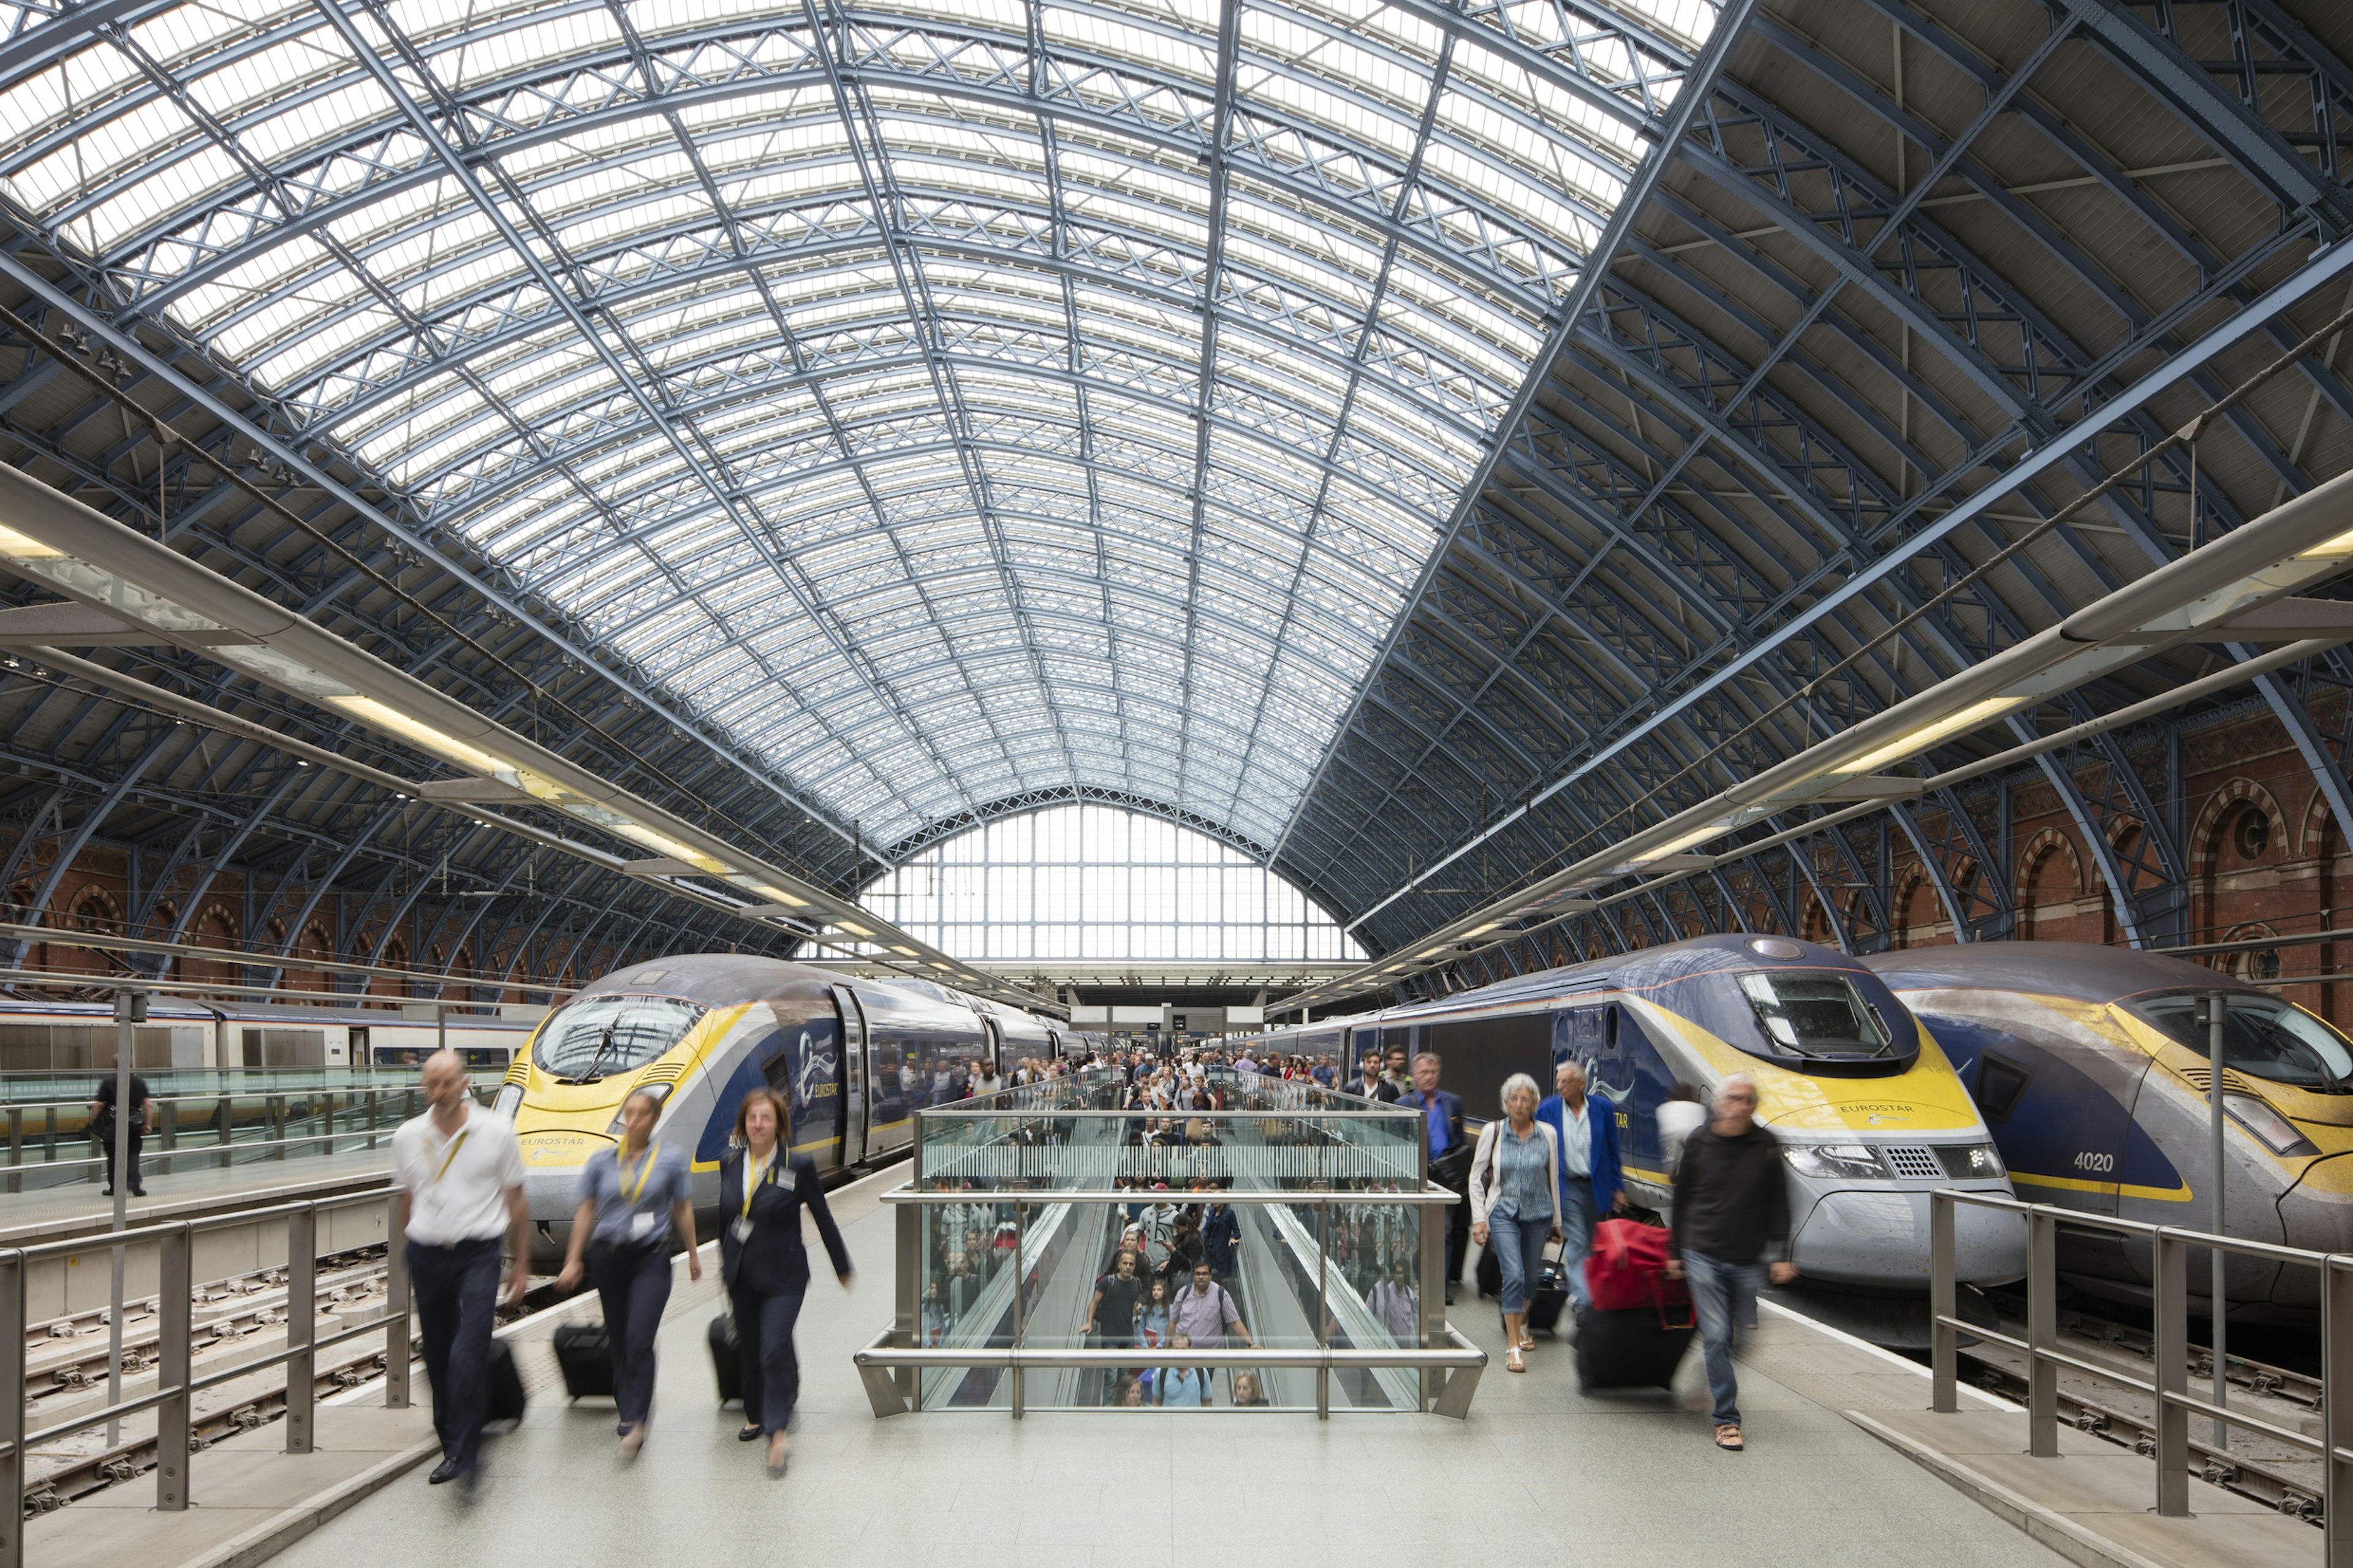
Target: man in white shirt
[{"x": 457, "y": 1171}]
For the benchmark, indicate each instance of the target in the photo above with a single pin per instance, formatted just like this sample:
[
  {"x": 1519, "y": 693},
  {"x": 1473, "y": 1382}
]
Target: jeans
[
  {"x": 1577, "y": 1227},
  {"x": 106, "y": 1152},
  {"x": 1725, "y": 1296},
  {"x": 764, "y": 1344},
  {"x": 1519, "y": 1246},
  {"x": 633, "y": 1283},
  {"x": 456, "y": 1289}
]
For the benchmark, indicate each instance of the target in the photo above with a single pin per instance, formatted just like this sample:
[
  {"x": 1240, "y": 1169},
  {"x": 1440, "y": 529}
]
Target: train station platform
[{"x": 1535, "y": 1468}]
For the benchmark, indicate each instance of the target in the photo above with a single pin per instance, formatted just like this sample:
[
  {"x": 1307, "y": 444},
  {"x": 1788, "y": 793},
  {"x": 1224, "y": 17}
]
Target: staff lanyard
[
  {"x": 454, "y": 1145},
  {"x": 645, "y": 1174},
  {"x": 752, "y": 1175}
]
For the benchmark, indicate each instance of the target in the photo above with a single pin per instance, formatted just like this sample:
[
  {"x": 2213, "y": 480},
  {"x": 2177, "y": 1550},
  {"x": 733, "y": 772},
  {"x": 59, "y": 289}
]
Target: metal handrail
[
  {"x": 176, "y": 1384},
  {"x": 2169, "y": 1292},
  {"x": 908, "y": 1193}
]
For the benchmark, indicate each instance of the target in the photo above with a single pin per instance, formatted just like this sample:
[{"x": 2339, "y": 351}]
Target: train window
[
  {"x": 2001, "y": 1084},
  {"x": 587, "y": 1039},
  {"x": 2264, "y": 1038},
  {"x": 1815, "y": 1015}
]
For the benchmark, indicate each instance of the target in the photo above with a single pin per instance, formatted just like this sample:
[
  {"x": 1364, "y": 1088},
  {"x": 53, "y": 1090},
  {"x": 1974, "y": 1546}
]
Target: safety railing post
[
  {"x": 12, "y": 1407},
  {"x": 2336, "y": 1409},
  {"x": 396, "y": 1304},
  {"x": 2169, "y": 1297},
  {"x": 1943, "y": 1304},
  {"x": 1323, "y": 1308},
  {"x": 15, "y": 1148},
  {"x": 227, "y": 1130},
  {"x": 302, "y": 1326},
  {"x": 1020, "y": 1303},
  {"x": 175, "y": 1361},
  {"x": 277, "y": 1104},
  {"x": 2042, "y": 1335}
]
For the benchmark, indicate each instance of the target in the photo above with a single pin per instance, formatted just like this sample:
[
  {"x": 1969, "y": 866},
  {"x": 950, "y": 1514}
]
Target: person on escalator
[
  {"x": 1111, "y": 1314},
  {"x": 1221, "y": 1232},
  {"x": 1205, "y": 1311},
  {"x": 1181, "y": 1386}
]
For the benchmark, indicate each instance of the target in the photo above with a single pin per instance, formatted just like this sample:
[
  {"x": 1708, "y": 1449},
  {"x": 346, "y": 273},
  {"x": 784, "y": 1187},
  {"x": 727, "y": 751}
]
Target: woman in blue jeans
[{"x": 1515, "y": 1204}]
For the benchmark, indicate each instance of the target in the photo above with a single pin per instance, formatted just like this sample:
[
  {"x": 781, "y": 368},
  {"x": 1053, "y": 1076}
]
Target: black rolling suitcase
[
  {"x": 1546, "y": 1300},
  {"x": 1638, "y": 1347},
  {"x": 723, "y": 1359},
  {"x": 1489, "y": 1273},
  {"x": 585, "y": 1356},
  {"x": 503, "y": 1403}
]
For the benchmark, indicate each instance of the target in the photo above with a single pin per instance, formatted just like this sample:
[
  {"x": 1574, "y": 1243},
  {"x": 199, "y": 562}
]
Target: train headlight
[
  {"x": 660, "y": 1091},
  {"x": 1971, "y": 1162},
  {"x": 508, "y": 1100},
  {"x": 2275, "y": 1132},
  {"x": 1836, "y": 1162}
]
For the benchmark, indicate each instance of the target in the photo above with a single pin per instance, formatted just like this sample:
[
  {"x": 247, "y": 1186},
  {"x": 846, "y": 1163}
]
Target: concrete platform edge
[
  {"x": 2052, "y": 1529},
  {"x": 266, "y": 1540}
]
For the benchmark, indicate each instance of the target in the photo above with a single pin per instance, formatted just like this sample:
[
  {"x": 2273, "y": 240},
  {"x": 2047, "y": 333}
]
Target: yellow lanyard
[
  {"x": 645, "y": 1174},
  {"x": 454, "y": 1145},
  {"x": 752, "y": 1177}
]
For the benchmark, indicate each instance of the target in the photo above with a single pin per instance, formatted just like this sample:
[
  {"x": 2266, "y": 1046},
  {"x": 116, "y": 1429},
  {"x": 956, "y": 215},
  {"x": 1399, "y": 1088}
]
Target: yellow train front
[{"x": 853, "y": 1058}]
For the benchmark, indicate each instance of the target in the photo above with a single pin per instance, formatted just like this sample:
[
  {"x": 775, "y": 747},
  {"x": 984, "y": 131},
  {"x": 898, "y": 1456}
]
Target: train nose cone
[
  {"x": 2316, "y": 1213},
  {"x": 1882, "y": 1238}
]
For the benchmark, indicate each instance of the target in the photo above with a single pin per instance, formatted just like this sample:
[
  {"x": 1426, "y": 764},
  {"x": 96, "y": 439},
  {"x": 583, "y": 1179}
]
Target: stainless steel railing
[
  {"x": 36, "y": 1132},
  {"x": 177, "y": 1385},
  {"x": 2170, "y": 1388}
]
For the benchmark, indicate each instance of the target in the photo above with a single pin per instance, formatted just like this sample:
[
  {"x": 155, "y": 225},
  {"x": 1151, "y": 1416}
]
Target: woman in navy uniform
[{"x": 763, "y": 1186}]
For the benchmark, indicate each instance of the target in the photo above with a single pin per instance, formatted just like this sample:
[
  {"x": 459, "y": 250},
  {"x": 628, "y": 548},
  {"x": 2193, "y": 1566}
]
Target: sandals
[
  {"x": 1513, "y": 1360},
  {"x": 1728, "y": 1437},
  {"x": 1527, "y": 1342}
]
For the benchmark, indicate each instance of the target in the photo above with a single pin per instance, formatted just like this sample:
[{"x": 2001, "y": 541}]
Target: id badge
[
  {"x": 742, "y": 1228},
  {"x": 641, "y": 1226}
]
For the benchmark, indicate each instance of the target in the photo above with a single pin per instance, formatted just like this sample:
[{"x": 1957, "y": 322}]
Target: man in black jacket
[{"x": 1731, "y": 1216}]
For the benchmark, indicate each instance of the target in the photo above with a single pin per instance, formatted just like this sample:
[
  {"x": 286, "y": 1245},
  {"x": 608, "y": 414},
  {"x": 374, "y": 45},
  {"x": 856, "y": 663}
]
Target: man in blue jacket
[
  {"x": 1591, "y": 1181},
  {"x": 1450, "y": 1157}
]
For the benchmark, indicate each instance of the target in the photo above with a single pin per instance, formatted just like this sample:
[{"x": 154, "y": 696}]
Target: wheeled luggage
[
  {"x": 1549, "y": 1296},
  {"x": 1490, "y": 1272},
  {"x": 585, "y": 1356},
  {"x": 503, "y": 1404},
  {"x": 1634, "y": 1347},
  {"x": 723, "y": 1361}
]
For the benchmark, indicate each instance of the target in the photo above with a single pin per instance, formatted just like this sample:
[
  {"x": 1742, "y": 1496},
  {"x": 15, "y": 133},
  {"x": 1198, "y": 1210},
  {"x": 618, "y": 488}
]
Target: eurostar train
[
  {"x": 1871, "y": 1114},
  {"x": 2091, "y": 1068},
  {"x": 852, "y": 1057}
]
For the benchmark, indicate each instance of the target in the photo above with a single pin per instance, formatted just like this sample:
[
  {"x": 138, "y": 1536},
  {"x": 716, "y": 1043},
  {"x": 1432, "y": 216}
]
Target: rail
[
  {"x": 176, "y": 1385},
  {"x": 221, "y": 1137},
  {"x": 2169, "y": 1387}
]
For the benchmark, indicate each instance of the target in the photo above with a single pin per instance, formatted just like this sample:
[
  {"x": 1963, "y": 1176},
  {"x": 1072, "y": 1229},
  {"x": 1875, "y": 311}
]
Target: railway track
[{"x": 2260, "y": 1468}]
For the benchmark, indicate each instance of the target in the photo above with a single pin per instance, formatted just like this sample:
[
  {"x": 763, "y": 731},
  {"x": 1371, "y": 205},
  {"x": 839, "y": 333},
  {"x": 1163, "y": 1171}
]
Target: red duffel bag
[{"x": 1628, "y": 1268}]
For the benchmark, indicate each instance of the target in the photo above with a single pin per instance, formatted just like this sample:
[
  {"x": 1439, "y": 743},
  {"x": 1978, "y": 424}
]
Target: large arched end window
[{"x": 1092, "y": 882}]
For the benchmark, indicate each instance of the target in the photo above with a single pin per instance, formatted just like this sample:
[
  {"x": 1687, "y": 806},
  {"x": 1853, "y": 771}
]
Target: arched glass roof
[
  {"x": 1093, "y": 882},
  {"x": 946, "y": 399}
]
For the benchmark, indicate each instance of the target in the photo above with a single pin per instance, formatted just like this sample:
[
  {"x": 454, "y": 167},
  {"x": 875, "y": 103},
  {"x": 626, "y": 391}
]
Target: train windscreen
[
  {"x": 1819, "y": 1016},
  {"x": 596, "y": 1036},
  {"x": 2264, "y": 1038}
]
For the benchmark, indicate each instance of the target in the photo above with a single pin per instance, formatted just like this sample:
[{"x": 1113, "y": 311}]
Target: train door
[
  {"x": 852, "y": 1068},
  {"x": 992, "y": 1047}
]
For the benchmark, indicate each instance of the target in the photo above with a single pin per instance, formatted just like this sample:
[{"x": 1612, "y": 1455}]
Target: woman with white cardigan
[{"x": 1515, "y": 1204}]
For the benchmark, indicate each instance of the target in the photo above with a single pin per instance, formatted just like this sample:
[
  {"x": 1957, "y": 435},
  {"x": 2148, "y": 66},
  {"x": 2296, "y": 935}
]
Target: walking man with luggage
[
  {"x": 1591, "y": 1181},
  {"x": 1450, "y": 1157},
  {"x": 457, "y": 1174},
  {"x": 1731, "y": 1232}
]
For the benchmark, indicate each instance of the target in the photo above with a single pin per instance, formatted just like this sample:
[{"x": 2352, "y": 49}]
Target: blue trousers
[
  {"x": 1576, "y": 1222},
  {"x": 1519, "y": 1246},
  {"x": 456, "y": 1289},
  {"x": 1724, "y": 1298},
  {"x": 634, "y": 1284},
  {"x": 764, "y": 1344}
]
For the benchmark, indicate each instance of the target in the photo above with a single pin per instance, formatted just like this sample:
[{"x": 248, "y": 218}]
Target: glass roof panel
[{"x": 954, "y": 424}]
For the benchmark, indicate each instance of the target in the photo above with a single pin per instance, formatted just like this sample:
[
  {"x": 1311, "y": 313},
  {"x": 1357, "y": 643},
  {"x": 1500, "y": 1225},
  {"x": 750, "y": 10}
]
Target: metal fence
[
  {"x": 2170, "y": 1390},
  {"x": 177, "y": 1385}
]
